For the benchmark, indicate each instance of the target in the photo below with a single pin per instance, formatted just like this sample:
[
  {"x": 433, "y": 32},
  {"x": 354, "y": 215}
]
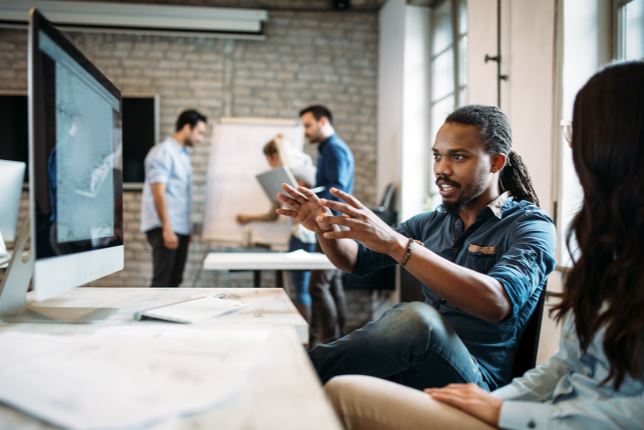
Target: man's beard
[
  {"x": 463, "y": 200},
  {"x": 315, "y": 138}
]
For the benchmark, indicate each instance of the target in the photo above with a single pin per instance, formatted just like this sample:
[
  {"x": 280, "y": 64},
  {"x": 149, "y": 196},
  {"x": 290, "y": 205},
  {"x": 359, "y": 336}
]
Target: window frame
[
  {"x": 458, "y": 87},
  {"x": 613, "y": 33}
]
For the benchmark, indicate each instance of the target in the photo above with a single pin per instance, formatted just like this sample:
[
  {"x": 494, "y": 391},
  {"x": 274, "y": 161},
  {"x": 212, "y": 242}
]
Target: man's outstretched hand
[
  {"x": 359, "y": 223},
  {"x": 303, "y": 206}
]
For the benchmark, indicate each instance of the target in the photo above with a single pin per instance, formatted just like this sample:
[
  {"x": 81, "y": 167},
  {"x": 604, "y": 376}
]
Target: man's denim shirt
[
  {"x": 336, "y": 167},
  {"x": 511, "y": 241}
]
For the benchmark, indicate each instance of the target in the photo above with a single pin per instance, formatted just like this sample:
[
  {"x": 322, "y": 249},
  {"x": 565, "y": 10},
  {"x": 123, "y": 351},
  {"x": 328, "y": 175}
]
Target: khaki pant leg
[{"x": 363, "y": 402}]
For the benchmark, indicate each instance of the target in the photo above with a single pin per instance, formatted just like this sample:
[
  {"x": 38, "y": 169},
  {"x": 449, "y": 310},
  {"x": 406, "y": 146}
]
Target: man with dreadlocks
[{"x": 482, "y": 257}]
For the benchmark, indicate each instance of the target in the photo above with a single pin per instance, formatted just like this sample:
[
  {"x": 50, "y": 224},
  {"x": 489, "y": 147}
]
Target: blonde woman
[{"x": 279, "y": 154}]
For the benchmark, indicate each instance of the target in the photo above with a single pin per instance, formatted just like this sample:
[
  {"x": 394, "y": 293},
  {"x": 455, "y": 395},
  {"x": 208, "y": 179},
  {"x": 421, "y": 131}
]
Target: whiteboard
[{"x": 235, "y": 158}]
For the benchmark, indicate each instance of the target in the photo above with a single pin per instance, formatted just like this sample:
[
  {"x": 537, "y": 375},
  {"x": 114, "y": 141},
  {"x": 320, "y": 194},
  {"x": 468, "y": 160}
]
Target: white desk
[
  {"x": 258, "y": 261},
  {"x": 284, "y": 393}
]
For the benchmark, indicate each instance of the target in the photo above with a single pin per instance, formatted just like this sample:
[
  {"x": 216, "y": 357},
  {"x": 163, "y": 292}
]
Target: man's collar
[
  {"x": 177, "y": 146},
  {"x": 324, "y": 141},
  {"x": 496, "y": 205}
]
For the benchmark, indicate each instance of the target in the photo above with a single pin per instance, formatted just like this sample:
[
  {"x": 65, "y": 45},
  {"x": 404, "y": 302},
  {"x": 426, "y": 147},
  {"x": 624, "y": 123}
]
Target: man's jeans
[
  {"x": 410, "y": 344},
  {"x": 329, "y": 306}
]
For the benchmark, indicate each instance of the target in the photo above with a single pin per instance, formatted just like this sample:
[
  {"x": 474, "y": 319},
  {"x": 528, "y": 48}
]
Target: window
[
  {"x": 448, "y": 66},
  {"x": 629, "y": 29},
  {"x": 595, "y": 32}
]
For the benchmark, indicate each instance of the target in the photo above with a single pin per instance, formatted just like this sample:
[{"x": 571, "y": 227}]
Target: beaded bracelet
[{"x": 405, "y": 258}]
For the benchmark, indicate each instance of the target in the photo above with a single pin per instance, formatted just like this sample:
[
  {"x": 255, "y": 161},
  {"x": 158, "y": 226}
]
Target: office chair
[
  {"x": 526, "y": 356},
  {"x": 386, "y": 209}
]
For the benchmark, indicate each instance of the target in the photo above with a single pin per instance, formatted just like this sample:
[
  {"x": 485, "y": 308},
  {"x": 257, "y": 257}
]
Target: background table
[{"x": 258, "y": 261}]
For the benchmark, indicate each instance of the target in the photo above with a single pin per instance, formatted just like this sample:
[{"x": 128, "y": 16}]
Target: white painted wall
[
  {"x": 530, "y": 89},
  {"x": 481, "y": 40},
  {"x": 403, "y": 104},
  {"x": 390, "y": 93},
  {"x": 417, "y": 139}
]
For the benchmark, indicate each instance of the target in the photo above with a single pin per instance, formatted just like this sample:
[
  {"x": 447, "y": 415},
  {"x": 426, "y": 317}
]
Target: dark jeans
[
  {"x": 411, "y": 344},
  {"x": 329, "y": 307},
  {"x": 168, "y": 264},
  {"x": 300, "y": 278}
]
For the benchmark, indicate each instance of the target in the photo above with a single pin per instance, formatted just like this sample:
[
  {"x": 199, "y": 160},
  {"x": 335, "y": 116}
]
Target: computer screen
[
  {"x": 75, "y": 165},
  {"x": 75, "y": 118}
]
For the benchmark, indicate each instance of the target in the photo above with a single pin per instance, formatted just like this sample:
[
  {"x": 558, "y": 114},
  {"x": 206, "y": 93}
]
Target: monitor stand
[{"x": 14, "y": 306}]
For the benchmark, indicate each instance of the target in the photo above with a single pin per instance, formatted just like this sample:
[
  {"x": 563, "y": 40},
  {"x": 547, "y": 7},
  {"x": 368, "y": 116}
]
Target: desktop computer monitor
[{"x": 75, "y": 175}]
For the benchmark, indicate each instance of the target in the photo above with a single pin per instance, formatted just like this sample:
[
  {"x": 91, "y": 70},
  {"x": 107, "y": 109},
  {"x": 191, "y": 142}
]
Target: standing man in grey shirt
[{"x": 167, "y": 199}]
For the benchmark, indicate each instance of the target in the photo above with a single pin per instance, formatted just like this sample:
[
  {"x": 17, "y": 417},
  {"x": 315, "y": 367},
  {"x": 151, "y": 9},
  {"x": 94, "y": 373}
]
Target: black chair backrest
[
  {"x": 526, "y": 356},
  {"x": 388, "y": 197},
  {"x": 386, "y": 210}
]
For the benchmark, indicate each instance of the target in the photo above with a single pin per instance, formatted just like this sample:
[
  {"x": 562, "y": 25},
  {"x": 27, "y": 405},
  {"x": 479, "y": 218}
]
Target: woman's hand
[
  {"x": 471, "y": 399},
  {"x": 244, "y": 219}
]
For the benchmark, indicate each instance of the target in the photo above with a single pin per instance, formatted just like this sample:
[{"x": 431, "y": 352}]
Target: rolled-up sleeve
[
  {"x": 369, "y": 260},
  {"x": 607, "y": 413},
  {"x": 158, "y": 166},
  {"x": 528, "y": 261}
]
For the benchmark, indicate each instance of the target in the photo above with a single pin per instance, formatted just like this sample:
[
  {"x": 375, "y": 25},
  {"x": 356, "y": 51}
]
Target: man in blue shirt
[
  {"x": 483, "y": 258},
  {"x": 335, "y": 169},
  {"x": 167, "y": 199}
]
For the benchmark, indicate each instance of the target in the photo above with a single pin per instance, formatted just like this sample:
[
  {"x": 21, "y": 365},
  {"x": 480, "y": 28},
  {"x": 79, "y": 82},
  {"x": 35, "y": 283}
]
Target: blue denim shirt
[
  {"x": 511, "y": 241},
  {"x": 567, "y": 392},
  {"x": 336, "y": 167},
  {"x": 168, "y": 163}
]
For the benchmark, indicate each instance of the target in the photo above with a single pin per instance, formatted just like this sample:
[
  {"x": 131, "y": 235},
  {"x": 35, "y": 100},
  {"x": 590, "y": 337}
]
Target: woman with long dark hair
[{"x": 595, "y": 380}]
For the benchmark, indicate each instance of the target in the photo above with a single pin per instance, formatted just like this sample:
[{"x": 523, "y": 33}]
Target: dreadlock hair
[{"x": 496, "y": 134}]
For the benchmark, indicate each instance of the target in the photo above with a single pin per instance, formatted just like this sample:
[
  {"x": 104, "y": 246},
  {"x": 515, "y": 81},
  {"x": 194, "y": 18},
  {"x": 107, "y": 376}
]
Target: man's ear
[
  {"x": 186, "y": 129},
  {"x": 498, "y": 162}
]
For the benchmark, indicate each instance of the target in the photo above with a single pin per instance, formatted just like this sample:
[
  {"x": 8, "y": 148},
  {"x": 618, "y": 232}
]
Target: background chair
[{"x": 386, "y": 210}]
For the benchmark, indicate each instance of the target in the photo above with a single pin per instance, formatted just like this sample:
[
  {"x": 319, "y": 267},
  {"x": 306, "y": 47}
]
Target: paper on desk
[
  {"x": 298, "y": 254},
  {"x": 124, "y": 377}
]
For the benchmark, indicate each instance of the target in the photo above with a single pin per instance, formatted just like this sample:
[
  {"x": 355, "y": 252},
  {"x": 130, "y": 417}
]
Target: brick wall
[{"x": 327, "y": 57}]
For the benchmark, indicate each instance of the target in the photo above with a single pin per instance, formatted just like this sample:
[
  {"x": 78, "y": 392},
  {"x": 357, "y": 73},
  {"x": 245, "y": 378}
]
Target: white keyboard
[{"x": 191, "y": 310}]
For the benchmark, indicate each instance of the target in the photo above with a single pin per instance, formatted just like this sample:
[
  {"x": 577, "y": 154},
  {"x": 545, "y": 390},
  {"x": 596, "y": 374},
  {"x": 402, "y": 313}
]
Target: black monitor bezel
[{"x": 40, "y": 196}]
